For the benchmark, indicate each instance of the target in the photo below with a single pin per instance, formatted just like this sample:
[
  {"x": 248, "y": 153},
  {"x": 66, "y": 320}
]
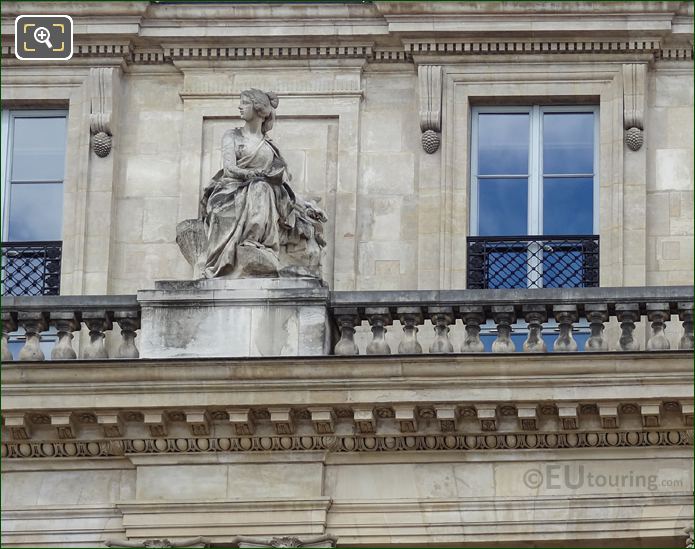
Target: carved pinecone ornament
[
  {"x": 634, "y": 138},
  {"x": 430, "y": 141},
  {"x": 101, "y": 143}
]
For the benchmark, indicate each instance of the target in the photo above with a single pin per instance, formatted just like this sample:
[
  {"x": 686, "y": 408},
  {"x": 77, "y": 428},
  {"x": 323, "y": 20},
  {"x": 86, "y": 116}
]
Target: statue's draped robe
[{"x": 253, "y": 212}]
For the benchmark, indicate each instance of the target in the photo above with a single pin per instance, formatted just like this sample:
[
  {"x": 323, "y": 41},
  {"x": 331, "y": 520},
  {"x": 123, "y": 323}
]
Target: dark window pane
[
  {"x": 36, "y": 212},
  {"x": 24, "y": 274},
  {"x": 38, "y": 149},
  {"x": 562, "y": 267},
  {"x": 502, "y": 207},
  {"x": 568, "y": 205},
  {"x": 503, "y": 144},
  {"x": 508, "y": 269},
  {"x": 568, "y": 143}
]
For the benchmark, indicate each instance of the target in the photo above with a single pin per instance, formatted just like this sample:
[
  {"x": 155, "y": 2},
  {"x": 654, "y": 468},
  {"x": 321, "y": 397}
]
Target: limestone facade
[
  {"x": 350, "y": 126},
  {"x": 374, "y": 121}
]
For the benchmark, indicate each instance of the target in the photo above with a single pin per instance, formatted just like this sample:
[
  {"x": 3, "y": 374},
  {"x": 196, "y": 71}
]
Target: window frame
[
  {"x": 535, "y": 162},
  {"x": 8, "y": 118}
]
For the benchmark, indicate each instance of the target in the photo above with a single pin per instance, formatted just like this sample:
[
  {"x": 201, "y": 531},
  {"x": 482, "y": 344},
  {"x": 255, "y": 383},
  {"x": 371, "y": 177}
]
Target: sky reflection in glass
[
  {"x": 568, "y": 205},
  {"x": 38, "y": 149},
  {"x": 502, "y": 207},
  {"x": 568, "y": 143},
  {"x": 503, "y": 144},
  {"x": 36, "y": 212}
]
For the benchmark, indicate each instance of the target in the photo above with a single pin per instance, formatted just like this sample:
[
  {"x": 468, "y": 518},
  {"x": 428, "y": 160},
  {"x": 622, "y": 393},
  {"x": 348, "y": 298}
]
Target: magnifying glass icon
[{"x": 42, "y": 36}]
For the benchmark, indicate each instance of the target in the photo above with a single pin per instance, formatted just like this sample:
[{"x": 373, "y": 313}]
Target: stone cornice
[
  {"x": 444, "y": 50},
  {"x": 349, "y": 404},
  {"x": 586, "y": 369},
  {"x": 380, "y": 32}
]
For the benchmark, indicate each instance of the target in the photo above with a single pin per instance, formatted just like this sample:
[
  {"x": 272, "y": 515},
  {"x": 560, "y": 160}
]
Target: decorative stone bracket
[
  {"x": 430, "y": 81},
  {"x": 102, "y": 81},
  {"x": 634, "y": 91}
]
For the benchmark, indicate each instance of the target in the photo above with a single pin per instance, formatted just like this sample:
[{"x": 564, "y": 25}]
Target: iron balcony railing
[
  {"x": 31, "y": 268},
  {"x": 498, "y": 262}
]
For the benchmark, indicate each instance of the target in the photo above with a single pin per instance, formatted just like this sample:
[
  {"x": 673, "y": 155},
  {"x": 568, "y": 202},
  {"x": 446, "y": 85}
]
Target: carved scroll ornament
[
  {"x": 430, "y": 81},
  {"x": 101, "y": 83},
  {"x": 634, "y": 83}
]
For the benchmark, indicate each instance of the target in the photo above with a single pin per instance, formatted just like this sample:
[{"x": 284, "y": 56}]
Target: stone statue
[
  {"x": 159, "y": 543},
  {"x": 325, "y": 541},
  {"x": 252, "y": 223}
]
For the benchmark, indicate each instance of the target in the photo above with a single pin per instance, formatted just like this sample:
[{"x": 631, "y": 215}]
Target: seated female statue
[{"x": 253, "y": 222}]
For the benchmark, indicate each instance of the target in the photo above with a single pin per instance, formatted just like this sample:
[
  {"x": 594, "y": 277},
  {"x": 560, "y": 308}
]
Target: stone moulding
[
  {"x": 530, "y": 47},
  {"x": 267, "y": 52},
  {"x": 162, "y": 54},
  {"x": 512, "y": 441}
]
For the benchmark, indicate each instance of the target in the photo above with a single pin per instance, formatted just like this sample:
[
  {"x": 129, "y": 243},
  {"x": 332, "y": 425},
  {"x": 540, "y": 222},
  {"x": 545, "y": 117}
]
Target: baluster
[
  {"x": 441, "y": 318},
  {"x": 65, "y": 323},
  {"x": 535, "y": 316},
  {"x": 378, "y": 318},
  {"x": 129, "y": 322},
  {"x": 628, "y": 314},
  {"x": 410, "y": 317},
  {"x": 98, "y": 322},
  {"x": 658, "y": 314},
  {"x": 33, "y": 324},
  {"x": 565, "y": 315},
  {"x": 346, "y": 319},
  {"x": 9, "y": 325},
  {"x": 472, "y": 317},
  {"x": 596, "y": 314},
  {"x": 504, "y": 316},
  {"x": 685, "y": 313}
]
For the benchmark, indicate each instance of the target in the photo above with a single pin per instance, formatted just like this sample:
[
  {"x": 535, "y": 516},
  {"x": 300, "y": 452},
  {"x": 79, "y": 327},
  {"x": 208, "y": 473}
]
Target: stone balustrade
[
  {"x": 65, "y": 315},
  {"x": 541, "y": 312},
  {"x": 535, "y": 309}
]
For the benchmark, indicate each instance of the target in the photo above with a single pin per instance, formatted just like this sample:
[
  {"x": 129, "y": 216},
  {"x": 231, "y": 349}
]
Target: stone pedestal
[{"x": 234, "y": 317}]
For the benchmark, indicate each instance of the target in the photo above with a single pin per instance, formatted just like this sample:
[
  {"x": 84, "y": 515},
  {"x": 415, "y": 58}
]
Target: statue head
[{"x": 264, "y": 103}]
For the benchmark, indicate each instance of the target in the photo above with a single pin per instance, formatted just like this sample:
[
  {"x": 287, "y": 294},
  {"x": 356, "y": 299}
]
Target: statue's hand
[{"x": 252, "y": 174}]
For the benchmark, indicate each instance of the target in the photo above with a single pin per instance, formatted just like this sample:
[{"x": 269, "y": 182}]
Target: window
[
  {"x": 534, "y": 197},
  {"x": 33, "y": 169}
]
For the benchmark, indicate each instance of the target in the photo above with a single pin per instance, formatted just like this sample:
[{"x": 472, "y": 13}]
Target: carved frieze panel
[
  {"x": 257, "y": 429},
  {"x": 350, "y": 443}
]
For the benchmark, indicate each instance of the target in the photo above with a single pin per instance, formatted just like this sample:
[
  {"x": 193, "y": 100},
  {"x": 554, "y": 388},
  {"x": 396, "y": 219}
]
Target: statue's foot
[{"x": 253, "y": 261}]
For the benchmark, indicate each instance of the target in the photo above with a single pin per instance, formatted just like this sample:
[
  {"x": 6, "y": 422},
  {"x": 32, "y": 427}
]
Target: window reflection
[
  {"x": 534, "y": 174},
  {"x": 502, "y": 207},
  {"x": 568, "y": 143},
  {"x": 503, "y": 144},
  {"x": 36, "y": 212},
  {"x": 568, "y": 205},
  {"x": 38, "y": 149}
]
